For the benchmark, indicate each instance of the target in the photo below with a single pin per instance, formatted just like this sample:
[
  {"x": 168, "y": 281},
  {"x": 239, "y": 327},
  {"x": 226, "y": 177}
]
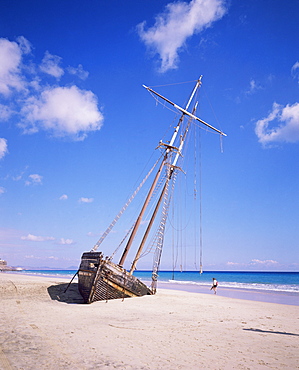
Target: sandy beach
[{"x": 44, "y": 328}]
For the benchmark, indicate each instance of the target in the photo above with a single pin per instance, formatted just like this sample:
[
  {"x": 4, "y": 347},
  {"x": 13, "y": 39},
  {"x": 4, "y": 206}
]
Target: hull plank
[{"x": 100, "y": 279}]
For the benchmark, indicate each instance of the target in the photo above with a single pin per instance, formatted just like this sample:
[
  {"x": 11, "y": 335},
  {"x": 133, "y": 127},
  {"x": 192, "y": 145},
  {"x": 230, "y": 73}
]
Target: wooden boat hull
[{"x": 100, "y": 279}]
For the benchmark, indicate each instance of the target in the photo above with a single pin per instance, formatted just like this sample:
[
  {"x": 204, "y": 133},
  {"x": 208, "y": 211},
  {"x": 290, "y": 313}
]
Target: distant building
[{"x": 4, "y": 267}]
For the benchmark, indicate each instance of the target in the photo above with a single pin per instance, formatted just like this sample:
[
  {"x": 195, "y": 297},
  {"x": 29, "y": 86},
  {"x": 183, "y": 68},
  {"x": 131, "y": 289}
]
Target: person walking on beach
[{"x": 214, "y": 286}]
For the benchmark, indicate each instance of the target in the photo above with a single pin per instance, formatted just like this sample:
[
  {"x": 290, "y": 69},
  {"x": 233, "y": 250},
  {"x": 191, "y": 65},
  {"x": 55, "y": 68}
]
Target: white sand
[{"x": 171, "y": 330}]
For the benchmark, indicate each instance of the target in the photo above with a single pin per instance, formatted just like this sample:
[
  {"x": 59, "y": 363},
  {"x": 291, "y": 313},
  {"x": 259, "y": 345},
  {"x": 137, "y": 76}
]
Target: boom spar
[{"x": 184, "y": 111}]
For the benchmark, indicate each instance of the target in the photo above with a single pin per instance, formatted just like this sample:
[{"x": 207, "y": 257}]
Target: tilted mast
[
  {"x": 170, "y": 172},
  {"x": 169, "y": 147}
]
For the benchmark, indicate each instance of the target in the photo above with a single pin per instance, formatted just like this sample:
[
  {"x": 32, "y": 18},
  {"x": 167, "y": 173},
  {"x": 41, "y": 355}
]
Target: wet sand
[
  {"x": 41, "y": 327},
  {"x": 289, "y": 298}
]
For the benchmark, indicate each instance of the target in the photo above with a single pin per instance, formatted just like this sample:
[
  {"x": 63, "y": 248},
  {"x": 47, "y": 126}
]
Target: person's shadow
[{"x": 61, "y": 293}]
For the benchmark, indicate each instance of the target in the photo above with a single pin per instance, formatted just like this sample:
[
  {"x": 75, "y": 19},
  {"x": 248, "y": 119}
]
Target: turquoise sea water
[
  {"x": 287, "y": 282},
  {"x": 275, "y": 287}
]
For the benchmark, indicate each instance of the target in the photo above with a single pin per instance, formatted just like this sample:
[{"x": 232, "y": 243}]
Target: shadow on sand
[
  {"x": 71, "y": 295},
  {"x": 271, "y": 332}
]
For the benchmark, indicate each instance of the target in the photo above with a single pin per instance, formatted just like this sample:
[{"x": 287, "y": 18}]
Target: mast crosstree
[{"x": 184, "y": 111}]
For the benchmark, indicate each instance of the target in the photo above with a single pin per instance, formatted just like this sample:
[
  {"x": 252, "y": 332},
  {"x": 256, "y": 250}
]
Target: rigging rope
[
  {"x": 163, "y": 103},
  {"x": 195, "y": 198},
  {"x": 200, "y": 207},
  {"x": 122, "y": 241},
  {"x": 211, "y": 107},
  {"x": 110, "y": 227},
  {"x": 173, "y": 84},
  {"x": 160, "y": 232}
]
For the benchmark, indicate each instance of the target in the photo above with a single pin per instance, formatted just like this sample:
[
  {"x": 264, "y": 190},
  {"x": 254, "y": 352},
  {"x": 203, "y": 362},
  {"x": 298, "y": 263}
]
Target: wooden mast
[
  {"x": 168, "y": 150},
  {"x": 171, "y": 169}
]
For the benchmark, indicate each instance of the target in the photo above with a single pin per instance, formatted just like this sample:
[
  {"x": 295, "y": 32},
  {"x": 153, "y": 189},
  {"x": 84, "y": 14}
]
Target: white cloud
[
  {"x": 295, "y": 66},
  {"x": 50, "y": 65},
  {"x": 287, "y": 125},
  {"x": 66, "y": 241},
  {"x": 34, "y": 179},
  {"x": 24, "y": 45},
  {"x": 254, "y": 262},
  {"x": 3, "y": 147},
  {"x": 34, "y": 238},
  {"x": 64, "y": 111},
  {"x": 5, "y": 112},
  {"x": 179, "y": 21},
  {"x": 10, "y": 77},
  {"x": 41, "y": 258},
  {"x": 265, "y": 262},
  {"x": 253, "y": 87},
  {"x": 85, "y": 200},
  {"x": 79, "y": 71},
  {"x": 20, "y": 176},
  {"x": 63, "y": 197},
  {"x": 94, "y": 235},
  {"x": 295, "y": 70},
  {"x": 2, "y": 190}
]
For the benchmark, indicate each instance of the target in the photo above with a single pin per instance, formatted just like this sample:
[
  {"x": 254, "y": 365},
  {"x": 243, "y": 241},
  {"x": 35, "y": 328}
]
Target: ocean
[
  {"x": 277, "y": 287},
  {"x": 253, "y": 280}
]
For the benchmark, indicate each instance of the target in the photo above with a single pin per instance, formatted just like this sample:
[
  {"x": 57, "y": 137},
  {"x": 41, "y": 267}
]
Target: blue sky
[{"x": 77, "y": 127}]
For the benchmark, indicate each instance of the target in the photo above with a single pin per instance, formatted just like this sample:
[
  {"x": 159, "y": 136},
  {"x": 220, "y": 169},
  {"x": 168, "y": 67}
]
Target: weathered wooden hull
[{"x": 100, "y": 279}]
